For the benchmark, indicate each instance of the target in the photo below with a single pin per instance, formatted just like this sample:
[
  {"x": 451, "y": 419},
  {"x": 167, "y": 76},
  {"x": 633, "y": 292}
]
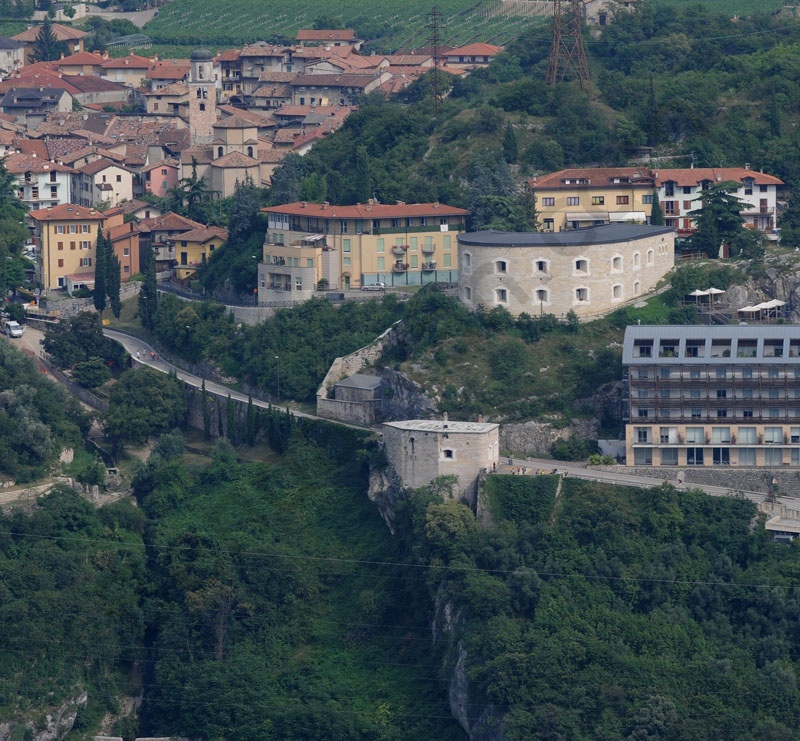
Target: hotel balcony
[
  {"x": 428, "y": 249},
  {"x": 400, "y": 267},
  {"x": 429, "y": 266},
  {"x": 400, "y": 249}
]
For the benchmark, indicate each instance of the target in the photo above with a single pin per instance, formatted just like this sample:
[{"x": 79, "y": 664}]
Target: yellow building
[
  {"x": 67, "y": 240},
  {"x": 194, "y": 247},
  {"x": 577, "y": 198},
  {"x": 355, "y": 246}
]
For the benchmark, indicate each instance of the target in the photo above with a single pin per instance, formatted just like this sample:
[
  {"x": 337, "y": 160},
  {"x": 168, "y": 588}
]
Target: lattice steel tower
[{"x": 567, "y": 50}]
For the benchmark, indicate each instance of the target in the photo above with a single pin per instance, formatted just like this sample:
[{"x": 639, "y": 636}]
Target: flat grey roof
[
  {"x": 360, "y": 381},
  {"x": 707, "y": 334},
  {"x": 604, "y": 234},
  {"x": 441, "y": 425}
]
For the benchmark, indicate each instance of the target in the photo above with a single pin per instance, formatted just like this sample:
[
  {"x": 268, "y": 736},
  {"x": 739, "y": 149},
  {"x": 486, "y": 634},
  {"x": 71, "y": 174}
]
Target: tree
[
  {"x": 144, "y": 402},
  {"x": 656, "y": 213},
  {"x": 148, "y": 295},
  {"x": 100, "y": 273},
  {"x": 47, "y": 47},
  {"x": 361, "y": 175},
  {"x": 113, "y": 278},
  {"x": 718, "y": 218},
  {"x": 510, "y": 147}
]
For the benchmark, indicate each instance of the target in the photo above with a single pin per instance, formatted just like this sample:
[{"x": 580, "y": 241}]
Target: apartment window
[
  {"x": 721, "y": 456},
  {"x": 774, "y": 413},
  {"x": 345, "y": 245},
  {"x": 598, "y": 200},
  {"x": 72, "y": 245},
  {"x": 664, "y": 373},
  {"x": 695, "y": 394},
  {"x": 694, "y": 457},
  {"x": 671, "y": 208},
  {"x": 643, "y": 456},
  {"x": 382, "y": 247},
  {"x": 548, "y": 201},
  {"x": 59, "y": 228},
  {"x": 61, "y": 262},
  {"x": 747, "y": 372},
  {"x": 643, "y": 375},
  {"x": 126, "y": 251},
  {"x": 747, "y": 393},
  {"x": 747, "y": 456},
  {"x": 548, "y": 225},
  {"x": 573, "y": 201},
  {"x": 85, "y": 244},
  {"x": 669, "y": 189},
  {"x": 669, "y": 457},
  {"x": 343, "y": 226},
  {"x": 773, "y": 457},
  {"x": 85, "y": 228},
  {"x": 722, "y": 413},
  {"x": 73, "y": 228},
  {"x": 795, "y": 435},
  {"x": 720, "y": 434},
  {"x": 643, "y": 434},
  {"x": 447, "y": 260},
  {"x": 747, "y": 413},
  {"x": 53, "y": 191},
  {"x": 647, "y": 200},
  {"x": 623, "y": 200},
  {"x": 773, "y": 435},
  {"x": 773, "y": 394},
  {"x": 664, "y": 393},
  {"x": 119, "y": 178},
  {"x": 721, "y": 373},
  {"x": 722, "y": 393},
  {"x": 86, "y": 262},
  {"x": 696, "y": 413},
  {"x": 60, "y": 245}
]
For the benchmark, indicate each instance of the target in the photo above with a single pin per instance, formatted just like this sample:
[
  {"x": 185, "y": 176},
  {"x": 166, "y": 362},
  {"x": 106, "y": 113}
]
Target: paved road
[
  {"x": 134, "y": 345},
  {"x": 138, "y": 17}
]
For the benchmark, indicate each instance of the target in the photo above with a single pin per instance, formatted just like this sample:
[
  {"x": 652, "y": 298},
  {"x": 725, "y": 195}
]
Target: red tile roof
[
  {"x": 341, "y": 34},
  {"x": 67, "y": 212},
  {"x": 62, "y": 33},
  {"x": 366, "y": 211},
  {"x": 692, "y": 176}
]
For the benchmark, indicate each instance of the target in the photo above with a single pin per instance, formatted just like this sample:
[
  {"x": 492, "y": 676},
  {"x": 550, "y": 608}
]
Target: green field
[{"x": 387, "y": 25}]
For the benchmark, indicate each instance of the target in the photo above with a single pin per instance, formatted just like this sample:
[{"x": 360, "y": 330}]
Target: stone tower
[{"x": 202, "y": 96}]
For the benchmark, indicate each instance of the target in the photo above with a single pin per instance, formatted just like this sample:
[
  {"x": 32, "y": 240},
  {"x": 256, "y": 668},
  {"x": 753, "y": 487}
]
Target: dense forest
[{"x": 268, "y": 600}]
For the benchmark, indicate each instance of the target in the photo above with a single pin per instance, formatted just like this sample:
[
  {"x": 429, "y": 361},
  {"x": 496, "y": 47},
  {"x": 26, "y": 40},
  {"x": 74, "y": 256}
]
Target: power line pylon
[
  {"x": 435, "y": 24},
  {"x": 566, "y": 51}
]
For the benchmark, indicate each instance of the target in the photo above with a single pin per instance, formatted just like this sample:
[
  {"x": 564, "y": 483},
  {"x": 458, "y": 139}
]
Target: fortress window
[
  {"x": 501, "y": 266},
  {"x": 448, "y": 454}
]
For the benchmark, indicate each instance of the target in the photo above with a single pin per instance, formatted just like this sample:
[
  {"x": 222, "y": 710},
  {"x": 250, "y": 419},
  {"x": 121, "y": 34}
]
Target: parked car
[
  {"x": 12, "y": 328},
  {"x": 374, "y": 287}
]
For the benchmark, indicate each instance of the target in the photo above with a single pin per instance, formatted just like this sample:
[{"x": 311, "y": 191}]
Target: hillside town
[{"x": 508, "y": 451}]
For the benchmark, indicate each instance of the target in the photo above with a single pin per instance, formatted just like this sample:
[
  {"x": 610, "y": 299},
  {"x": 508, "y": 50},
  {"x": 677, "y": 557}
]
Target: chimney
[
  {"x": 305, "y": 204},
  {"x": 444, "y": 417},
  {"x": 325, "y": 205}
]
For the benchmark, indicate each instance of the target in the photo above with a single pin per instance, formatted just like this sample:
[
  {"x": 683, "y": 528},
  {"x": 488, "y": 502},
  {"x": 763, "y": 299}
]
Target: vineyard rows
[{"x": 188, "y": 22}]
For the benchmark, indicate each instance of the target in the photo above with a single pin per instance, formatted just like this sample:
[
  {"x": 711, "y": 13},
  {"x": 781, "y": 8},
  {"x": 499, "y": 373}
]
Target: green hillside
[{"x": 384, "y": 24}]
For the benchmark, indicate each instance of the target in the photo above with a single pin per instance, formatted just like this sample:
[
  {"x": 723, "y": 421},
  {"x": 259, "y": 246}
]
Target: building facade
[
  {"x": 420, "y": 450},
  {"x": 581, "y": 197},
  {"x": 713, "y": 396},
  {"x": 354, "y": 246},
  {"x": 589, "y": 271},
  {"x": 679, "y": 191}
]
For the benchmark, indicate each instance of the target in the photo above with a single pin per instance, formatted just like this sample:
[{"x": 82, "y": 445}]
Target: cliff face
[{"x": 55, "y": 724}]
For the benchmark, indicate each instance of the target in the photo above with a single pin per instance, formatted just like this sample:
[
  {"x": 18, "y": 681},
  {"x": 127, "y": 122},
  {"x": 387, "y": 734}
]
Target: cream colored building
[
  {"x": 420, "y": 450},
  {"x": 589, "y": 271},
  {"x": 353, "y": 246},
  {"x": 581, "y": 197},
  {"x": 66, "y": 236}
]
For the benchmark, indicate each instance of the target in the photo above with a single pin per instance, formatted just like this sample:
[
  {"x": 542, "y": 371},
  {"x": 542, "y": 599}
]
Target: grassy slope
[{"x": 463, "y": 21}]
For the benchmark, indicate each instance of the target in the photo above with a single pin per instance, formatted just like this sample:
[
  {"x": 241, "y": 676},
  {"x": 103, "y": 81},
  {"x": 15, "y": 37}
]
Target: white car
[{"x": 374, "y": 287}]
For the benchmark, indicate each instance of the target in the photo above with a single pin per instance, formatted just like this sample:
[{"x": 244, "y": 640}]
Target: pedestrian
[
  {"x": 494, "y": 466},
  {"x": 152, "y": 355},
  {"x": 138, "y": 355}
]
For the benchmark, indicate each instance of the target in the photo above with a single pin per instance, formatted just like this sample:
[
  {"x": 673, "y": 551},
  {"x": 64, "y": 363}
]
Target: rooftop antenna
[
  {"x": 566, "y": 51},
  {"x": 435, "y": 24}
]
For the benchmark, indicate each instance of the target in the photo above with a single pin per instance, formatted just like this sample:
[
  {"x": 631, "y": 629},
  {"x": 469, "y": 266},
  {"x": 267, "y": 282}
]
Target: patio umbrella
[
  {"x": 713, "y": 292},
  {"x": 697, "y": 293}
]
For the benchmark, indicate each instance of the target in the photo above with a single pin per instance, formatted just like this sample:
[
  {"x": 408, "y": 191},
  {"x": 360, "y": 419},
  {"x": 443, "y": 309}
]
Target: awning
[
  {"x": 639, "y": 216},
  {"x": 587, "y": 216},
  {"x": 313, "y": 237}
]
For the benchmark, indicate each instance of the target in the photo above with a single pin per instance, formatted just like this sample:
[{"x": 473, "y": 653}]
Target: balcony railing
[
  {"x": 400, "y": 267},
  {"x": 429, "y": 266}
]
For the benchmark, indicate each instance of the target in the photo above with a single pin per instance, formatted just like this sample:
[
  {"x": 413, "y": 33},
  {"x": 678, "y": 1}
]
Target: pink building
[{"x": 160, "y": 177}]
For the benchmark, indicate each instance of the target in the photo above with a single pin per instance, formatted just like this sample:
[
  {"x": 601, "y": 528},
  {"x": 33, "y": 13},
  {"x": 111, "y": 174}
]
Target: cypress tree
[
  {"x": 148, "y": 296},
  {"x": 206, "y": 412},
  {"x": 510, "y": 148},
  {"x": 231, "y": 415},
  {"x": 251, "y": 422},
  {"x": 113, "y": 278},
  {"x": 100, "y": 273},
  {"x": 656, "y": 213}
]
